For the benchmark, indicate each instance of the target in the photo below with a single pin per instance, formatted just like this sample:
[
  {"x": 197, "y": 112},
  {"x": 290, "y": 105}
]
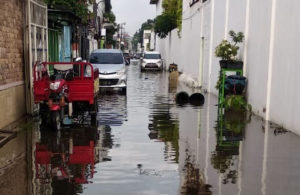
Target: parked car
[
  {"x": 127, "y": 57},
  {"x": 112, "y": 70},
  {"x": 151, "y": 61}
]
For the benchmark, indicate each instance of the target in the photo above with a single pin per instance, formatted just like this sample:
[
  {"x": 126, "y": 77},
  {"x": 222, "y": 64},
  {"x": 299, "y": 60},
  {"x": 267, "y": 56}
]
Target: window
[
  {"x": 106, "y": 58},
  {"x": 192, "y": 2},
  {"x": 152, "y": 56}
]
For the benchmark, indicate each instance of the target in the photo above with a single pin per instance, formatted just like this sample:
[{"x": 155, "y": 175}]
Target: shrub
[
  {"x": 228, "y": 51},
  {"x": 164, "y": 24}
]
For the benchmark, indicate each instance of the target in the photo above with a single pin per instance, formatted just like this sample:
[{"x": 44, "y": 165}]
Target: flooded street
[{"x": 145, "y": 144}]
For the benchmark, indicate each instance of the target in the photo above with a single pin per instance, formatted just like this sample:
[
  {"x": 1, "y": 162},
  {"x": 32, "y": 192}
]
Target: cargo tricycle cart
[{"x": 65, "y": 90}]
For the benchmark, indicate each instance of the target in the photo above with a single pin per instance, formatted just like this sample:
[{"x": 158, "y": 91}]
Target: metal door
[{"x": 36, "y": 44}]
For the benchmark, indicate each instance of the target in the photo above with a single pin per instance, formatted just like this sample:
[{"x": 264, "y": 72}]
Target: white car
[
  {"x": 112, "y": 70},
  {"x": 151, "y": 61}
]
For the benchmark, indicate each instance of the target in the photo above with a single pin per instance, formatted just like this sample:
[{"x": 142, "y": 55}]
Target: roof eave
[{"x": 153, "y": 1}]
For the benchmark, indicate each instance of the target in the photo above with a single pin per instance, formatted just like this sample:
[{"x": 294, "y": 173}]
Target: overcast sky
[{"x": 133, "y": 12}]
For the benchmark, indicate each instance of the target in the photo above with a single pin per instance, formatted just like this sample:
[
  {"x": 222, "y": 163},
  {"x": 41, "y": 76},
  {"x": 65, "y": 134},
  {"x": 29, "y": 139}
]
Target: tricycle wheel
[
  {"x": 93, "y": 112},
  {"x": 55, "y": 120},
  {"x": 93, "y": 119},
  {"x": 44, "y": 110}
]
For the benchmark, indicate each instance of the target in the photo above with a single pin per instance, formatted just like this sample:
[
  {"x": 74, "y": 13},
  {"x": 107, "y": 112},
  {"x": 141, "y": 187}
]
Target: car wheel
[{"x": 124, "y": 91}]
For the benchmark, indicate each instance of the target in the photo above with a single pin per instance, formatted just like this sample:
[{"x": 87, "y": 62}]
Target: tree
[
  {"x": 78, "y": 7},
  {"x": 135, "y": 40},
  {"x": 138, "y": 35},
  {"x": 110, "y": 32},
  {"x": 170, "y": 19}
]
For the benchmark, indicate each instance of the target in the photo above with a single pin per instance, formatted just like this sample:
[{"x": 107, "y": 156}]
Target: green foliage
[
  {"x": 110, "y": 32},
  {"x": 110, "y": 16},
  {"x": 179, "y": 16},
  {"x": 78, "y": 7},
  {"x": 237, "y": 102},
  {"x": 149, "y": 24},
  {"x": 170, "y": 19},
  {"x": 228, "y": 51},
  {"x": 236, "y": 37},
  {"x": 138, "y": 36},
  {"x": 219, "y": 81},
  {"x": 135, "y": 40},
  {"x": 164, "y": 24}
]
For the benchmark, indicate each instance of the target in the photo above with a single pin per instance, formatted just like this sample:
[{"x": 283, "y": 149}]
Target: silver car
[
  {"x": 151, "y": 61},
  {"x": 112, "y": 70}
]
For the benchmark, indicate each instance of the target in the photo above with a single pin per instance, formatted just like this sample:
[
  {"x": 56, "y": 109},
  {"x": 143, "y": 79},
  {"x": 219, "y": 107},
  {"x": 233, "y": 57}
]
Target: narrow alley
[{"x": 146, "y": 144}]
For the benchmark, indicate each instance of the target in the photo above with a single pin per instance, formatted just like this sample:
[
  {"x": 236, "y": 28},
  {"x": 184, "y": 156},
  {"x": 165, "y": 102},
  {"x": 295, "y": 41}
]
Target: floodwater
[{"x": 145, "y": 144}]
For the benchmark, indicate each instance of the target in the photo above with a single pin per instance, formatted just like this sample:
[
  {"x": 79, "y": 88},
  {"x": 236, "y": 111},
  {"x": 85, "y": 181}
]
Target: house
[{"x": 12, "y": 80}]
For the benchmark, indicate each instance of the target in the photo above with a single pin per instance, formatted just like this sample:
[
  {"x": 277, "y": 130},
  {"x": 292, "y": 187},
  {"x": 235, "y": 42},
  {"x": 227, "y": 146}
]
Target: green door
[{"x": 53, "y": 45}]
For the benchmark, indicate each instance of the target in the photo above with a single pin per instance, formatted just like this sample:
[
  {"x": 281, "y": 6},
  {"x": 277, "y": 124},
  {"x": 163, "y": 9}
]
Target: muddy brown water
[{"x": 146, "y": 144}]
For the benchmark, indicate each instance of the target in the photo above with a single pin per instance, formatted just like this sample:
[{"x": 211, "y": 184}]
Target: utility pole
[{"x": 121, "y": 34}]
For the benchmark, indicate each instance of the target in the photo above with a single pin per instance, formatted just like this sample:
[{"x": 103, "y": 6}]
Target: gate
[{"x": 36, "y": 45}]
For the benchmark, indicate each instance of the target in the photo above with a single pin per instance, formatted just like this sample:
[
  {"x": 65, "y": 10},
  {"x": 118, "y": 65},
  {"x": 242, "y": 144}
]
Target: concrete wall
[
  {"x": 269, "y": 51},
  {"x": 12, "y": 94}
]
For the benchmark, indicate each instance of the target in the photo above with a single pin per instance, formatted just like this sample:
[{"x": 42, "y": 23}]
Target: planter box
[
  {"x": 231, "y": 64},
  {"x": 235, "y": 84}
]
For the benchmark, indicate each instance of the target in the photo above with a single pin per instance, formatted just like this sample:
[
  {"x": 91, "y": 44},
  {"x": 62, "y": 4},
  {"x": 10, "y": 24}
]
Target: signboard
[{"x": 103, "y": 32}]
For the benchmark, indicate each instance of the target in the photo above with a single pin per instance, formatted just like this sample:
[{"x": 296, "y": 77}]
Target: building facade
[{"x": 12, "y": 87}]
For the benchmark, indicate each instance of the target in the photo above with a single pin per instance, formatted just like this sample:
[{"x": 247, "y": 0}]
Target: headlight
[
  {"x": 144, "y": 61},
  {"x": 55, "y": 85},
  {"x": 159, "y": 62},
  {"x": 121, "y": 72}
]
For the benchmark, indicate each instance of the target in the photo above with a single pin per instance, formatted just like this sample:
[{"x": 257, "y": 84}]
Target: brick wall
[{"x": 11, "y": 41}]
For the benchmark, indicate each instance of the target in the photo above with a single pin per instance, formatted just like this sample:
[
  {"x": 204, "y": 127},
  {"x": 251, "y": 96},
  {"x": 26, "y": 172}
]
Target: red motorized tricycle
[{"x": 65, "y": 91}]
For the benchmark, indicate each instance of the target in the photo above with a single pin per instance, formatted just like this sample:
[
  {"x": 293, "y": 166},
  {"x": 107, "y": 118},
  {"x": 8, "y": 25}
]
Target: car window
[
  {"x": 106, "y": 58},
  {"x": 152, "y": 56}
]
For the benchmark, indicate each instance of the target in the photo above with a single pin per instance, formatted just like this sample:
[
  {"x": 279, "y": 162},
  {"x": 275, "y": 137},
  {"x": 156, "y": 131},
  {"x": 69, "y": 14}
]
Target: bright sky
[{"x": 133, "y": 12}]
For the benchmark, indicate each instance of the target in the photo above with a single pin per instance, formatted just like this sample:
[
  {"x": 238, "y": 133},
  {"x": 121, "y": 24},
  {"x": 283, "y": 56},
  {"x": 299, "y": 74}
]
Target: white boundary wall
[{"x": 271, "y": 29}]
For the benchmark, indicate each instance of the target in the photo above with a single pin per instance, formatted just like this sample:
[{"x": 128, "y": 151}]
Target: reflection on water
[
  {"x": 64, "y": 160},
  {"x": 230, "y": 130},
  {"x": 112, "y": 109},
  {"x": 151, "y": 146},
  {"x": 164, "y": 127},
  {"x": 192, "y": 178}
]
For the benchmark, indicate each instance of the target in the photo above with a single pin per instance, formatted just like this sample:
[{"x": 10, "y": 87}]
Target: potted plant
[
  {"x": 228, "y": 51},
  {"x": 237, "y": 103}
]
